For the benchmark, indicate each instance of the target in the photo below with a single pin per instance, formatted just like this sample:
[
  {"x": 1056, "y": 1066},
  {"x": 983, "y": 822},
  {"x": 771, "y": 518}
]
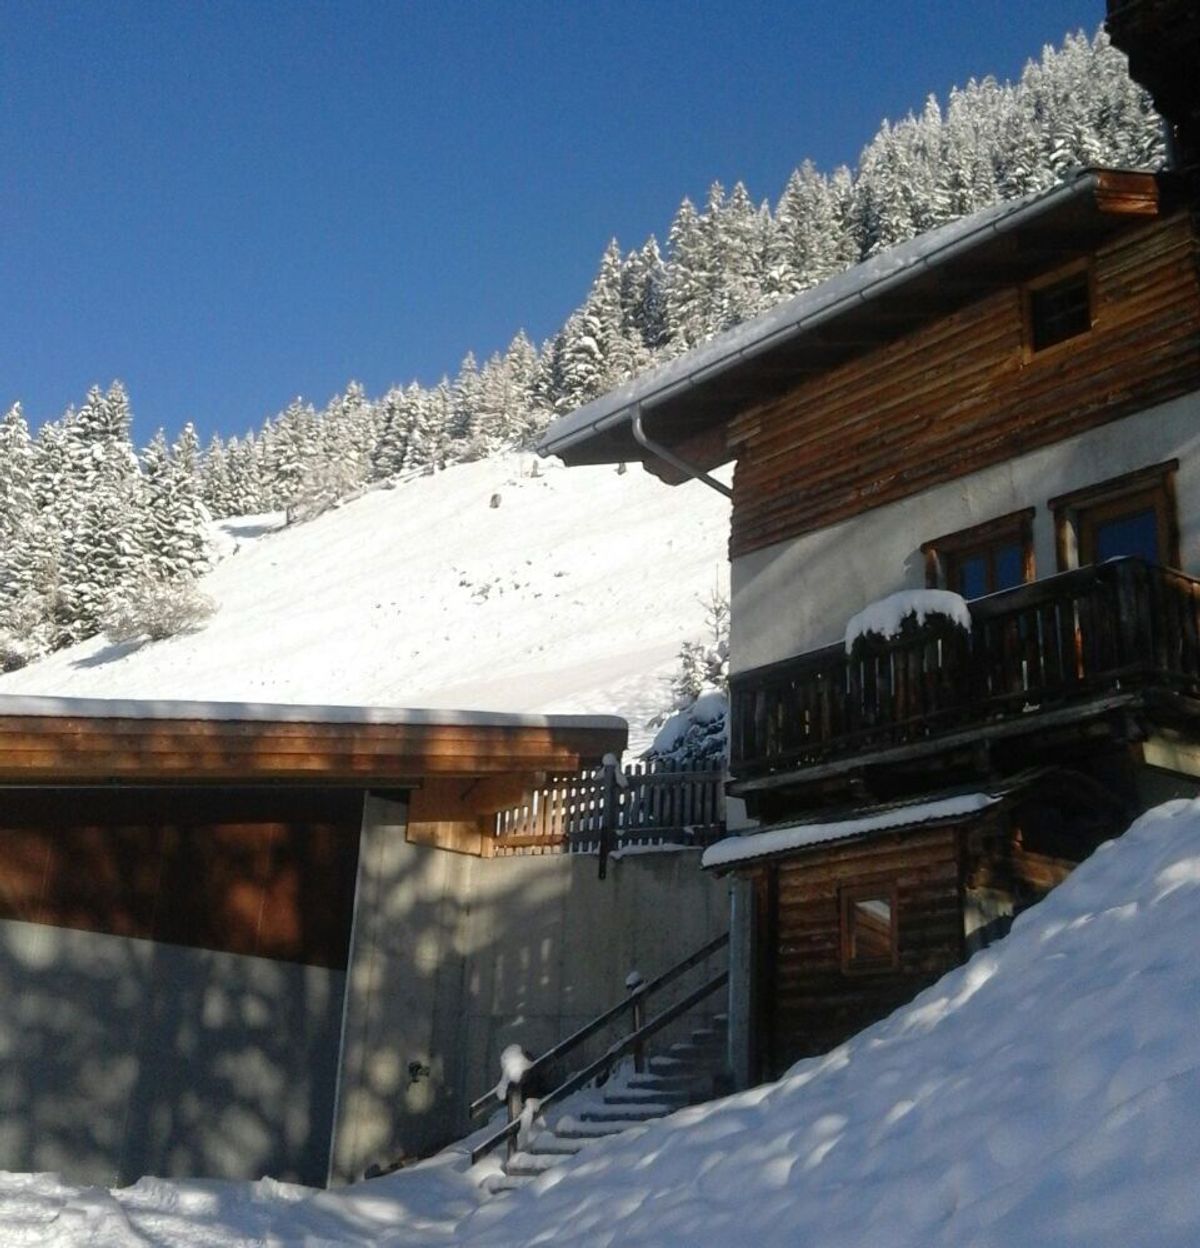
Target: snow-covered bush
[
  {"x": 910, "y": 609},
  {"x": 695, "y": 736},
  {"x": 155, "y": 609},
  {"x": 693, "y": 731}
]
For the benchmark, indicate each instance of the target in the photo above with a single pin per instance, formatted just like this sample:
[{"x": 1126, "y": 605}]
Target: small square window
[
  {"x": 1059, "y": 310},
  {"x": 983, "y": 559},
  {"x": 869, "y": 929}
]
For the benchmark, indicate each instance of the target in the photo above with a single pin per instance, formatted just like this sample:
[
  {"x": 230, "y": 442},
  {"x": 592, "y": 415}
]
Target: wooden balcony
[{"x": 1075, "y": 645}]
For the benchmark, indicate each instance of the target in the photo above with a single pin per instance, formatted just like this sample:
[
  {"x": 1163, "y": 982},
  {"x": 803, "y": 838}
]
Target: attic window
[
  {"x": 1059, "y": 309},
  {"x": 869, "y": 932}
]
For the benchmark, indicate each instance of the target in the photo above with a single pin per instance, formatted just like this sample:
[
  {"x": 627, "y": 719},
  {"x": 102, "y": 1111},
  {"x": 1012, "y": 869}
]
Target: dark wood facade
[
  {"x": 266, "y": 873},
  {"x": 953, "y": 888},
  {"x": 965, "y": 391},
  {"x": 241, "y": 834}
]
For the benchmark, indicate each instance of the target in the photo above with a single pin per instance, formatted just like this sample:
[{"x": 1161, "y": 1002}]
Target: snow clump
[{"x": 886, "y": 617}]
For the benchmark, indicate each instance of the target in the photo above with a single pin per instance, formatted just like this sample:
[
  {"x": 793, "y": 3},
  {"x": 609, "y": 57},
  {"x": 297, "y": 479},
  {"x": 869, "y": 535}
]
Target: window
[
  {"x": 1129, "y": 515},
  {"x": 982, "y": 559},
  {"x": 869, "y": 929},
  {"x": 1058, "y": 308}
]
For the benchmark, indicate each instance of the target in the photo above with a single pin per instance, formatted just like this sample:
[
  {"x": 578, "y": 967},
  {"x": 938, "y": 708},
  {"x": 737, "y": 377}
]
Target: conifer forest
[{"x": 97, "y": 535}]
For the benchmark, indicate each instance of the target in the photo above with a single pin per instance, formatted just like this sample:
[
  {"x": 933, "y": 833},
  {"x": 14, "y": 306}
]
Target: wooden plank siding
[
  {"x": 964, "y": 393},
  {"x": 266, "y": 873},
  {"x": 810, "y": 1004},
  {"x": 62, "y": 749}
]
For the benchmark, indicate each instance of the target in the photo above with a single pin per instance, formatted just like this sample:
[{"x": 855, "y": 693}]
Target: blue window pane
[
  {"x": 972, "y": 577},
  {"x": 1010, "y": 566},
  {"x": 1134, "y": 534}
]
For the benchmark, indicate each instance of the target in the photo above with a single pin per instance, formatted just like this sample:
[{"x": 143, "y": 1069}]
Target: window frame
[
  {"x": 1078, "y": 514},
  {"x": 848, "y": 897},
  {"x": 944, "y": 554},
  {"x": 1039, "y": 286}
]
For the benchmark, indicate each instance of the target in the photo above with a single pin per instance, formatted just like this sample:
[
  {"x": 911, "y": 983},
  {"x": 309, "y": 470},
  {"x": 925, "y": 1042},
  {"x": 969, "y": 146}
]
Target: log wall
[
  {"x": 964, "y": 393},
  {"x": 810, "y": 1004}
]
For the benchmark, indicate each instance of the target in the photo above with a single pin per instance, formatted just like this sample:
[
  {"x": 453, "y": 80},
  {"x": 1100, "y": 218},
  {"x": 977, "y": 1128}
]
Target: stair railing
[{"x": 633, "y": 1042}]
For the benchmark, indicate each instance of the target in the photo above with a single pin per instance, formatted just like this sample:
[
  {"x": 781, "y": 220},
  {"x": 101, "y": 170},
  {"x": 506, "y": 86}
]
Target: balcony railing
[{"x": 1117, "y": 626}]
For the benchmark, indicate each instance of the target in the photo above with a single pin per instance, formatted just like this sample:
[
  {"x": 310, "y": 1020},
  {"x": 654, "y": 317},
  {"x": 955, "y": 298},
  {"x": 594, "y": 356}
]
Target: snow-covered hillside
[
  {"x": 571, "y": 594},
  {"x": 1045, "y": 1095}
]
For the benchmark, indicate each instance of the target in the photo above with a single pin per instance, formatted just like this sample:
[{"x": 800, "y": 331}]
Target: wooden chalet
[
  {"x": 1007, "y": 408},
  {"x": 192, "y": 927}
]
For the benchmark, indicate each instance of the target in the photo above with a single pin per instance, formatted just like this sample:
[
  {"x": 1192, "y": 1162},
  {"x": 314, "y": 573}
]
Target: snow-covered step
[
  {"x": 695, "y": 1054},
  {"x": 675, "y": 1097},
  {"x": 548, "y": 1144},
  {"x": 580, "y": 1129},
  {"x": 679, "y": 1081},
  {"x": 664, "y": 1064},
  {"x": 497, "y": 1183},
  {"x": 627, "y": 1114},
  {"x": 529, "y": 1165}
]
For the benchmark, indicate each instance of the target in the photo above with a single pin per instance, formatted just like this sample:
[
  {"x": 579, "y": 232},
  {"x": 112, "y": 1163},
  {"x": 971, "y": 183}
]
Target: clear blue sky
[{"x": 228, "y": 204}]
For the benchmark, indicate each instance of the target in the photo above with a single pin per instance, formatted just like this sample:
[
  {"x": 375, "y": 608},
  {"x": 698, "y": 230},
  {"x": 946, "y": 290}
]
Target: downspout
[{"x": 668, "y": 456}]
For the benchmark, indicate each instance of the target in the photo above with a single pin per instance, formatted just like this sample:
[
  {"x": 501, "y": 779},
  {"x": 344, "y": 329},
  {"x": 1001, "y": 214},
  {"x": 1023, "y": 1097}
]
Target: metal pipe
[{"x": 669, "y": 457}]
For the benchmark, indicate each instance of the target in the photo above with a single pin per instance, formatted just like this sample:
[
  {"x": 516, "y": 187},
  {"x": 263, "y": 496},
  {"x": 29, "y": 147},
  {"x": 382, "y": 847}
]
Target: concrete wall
[
  {"x": 454, "y": 957},
  {"x": 122, "y": 1057},
  {"x": 797, "y": 595}
]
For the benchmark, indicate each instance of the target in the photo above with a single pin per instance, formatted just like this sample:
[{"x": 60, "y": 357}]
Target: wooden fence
[{"x": 606, "y": 808}]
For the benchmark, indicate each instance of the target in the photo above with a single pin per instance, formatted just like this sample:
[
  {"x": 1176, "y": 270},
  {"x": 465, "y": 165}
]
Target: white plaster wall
[
  {"x": 122, "y": 1057},
  {"x": 797, "y": 595},
  {"x": 454, "y": 957}
]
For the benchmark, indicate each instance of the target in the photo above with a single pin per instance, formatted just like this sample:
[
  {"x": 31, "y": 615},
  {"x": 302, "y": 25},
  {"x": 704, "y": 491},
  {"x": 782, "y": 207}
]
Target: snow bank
[
  {"x": 886, "y": 617},
  {"x": 1046, "y": 1094}
]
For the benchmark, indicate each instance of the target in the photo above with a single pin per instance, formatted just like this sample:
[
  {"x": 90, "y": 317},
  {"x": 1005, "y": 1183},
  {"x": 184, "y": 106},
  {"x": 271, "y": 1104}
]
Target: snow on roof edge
[
  {"x": 292, "y": 713},
  {"x": 808, "y": 308},
  {"x": 780, "y": 840}
]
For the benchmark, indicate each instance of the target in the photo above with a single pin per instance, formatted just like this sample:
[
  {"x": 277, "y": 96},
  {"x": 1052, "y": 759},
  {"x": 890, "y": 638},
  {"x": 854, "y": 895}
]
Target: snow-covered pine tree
[
  {"x": 812, "y": 241},
  {"x": 214, "y": 479},
  {"x": 643, "y": 299},
  {"x": 687, "y": 279},
  {"x": 173, "y": 520},
  {"x": 735, "y": 240},
  {"x": 28, "y": 552},
  {"x": 97, "y": 511}
]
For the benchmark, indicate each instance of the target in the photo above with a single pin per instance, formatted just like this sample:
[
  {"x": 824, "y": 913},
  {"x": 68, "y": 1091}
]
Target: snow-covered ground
[
  {"x": 571, "y": 595},
  {"x": 1045, "y": 1095}
]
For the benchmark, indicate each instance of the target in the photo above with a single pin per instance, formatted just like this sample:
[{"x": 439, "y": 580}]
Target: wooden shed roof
[
  {"x": 89, "y": 741},
  {"x": 686, "y": 402}
]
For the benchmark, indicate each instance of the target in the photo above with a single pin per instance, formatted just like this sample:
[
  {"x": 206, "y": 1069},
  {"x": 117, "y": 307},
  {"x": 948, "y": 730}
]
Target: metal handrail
[
  {"x": 635, "y": 997},
  {"x": 605, "y": 1061}
]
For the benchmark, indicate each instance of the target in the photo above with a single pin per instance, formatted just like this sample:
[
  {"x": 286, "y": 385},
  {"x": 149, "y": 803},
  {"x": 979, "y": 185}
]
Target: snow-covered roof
[
  {"x": 793, "y": 836},
  {"x": 289, "y": 713},
  {"x": 810, "y": 310}
]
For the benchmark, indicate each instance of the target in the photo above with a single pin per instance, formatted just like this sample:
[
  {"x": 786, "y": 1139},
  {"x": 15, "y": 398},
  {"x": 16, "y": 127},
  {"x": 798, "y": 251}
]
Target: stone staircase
[{"x": 690, "y": 1071}]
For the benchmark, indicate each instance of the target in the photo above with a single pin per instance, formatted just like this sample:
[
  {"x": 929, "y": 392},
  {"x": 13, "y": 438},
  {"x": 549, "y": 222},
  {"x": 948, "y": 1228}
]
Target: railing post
[
  {"x": 516, "y": 1106},
  {"x": 514, "y": 1062},
  {"x": 634, "y": 984}
]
